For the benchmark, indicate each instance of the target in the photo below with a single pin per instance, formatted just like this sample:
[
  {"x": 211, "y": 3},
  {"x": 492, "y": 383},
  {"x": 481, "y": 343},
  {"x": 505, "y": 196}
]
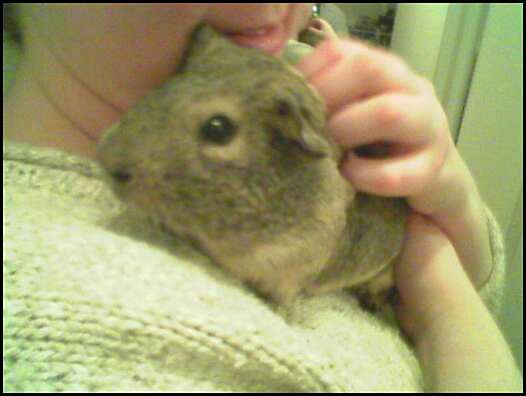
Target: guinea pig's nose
[
  {"x": 121, "y": 176},
  {"x": 113, "y": 165}
]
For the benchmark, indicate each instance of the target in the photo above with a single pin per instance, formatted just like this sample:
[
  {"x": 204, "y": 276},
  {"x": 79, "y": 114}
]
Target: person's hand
[
  {"x": 322, "y": 28},
  {"x": 372, "y": 97},
  {"x": 397, "y": 143}
]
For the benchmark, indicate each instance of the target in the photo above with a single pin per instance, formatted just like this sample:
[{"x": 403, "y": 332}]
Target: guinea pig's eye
[
  {"x": 283, "y": 108},
  {"x": 121, "y": 176},
  {"x": 218, "y": 129}
]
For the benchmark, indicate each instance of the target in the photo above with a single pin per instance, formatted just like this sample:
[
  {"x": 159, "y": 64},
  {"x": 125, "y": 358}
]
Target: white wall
[
  {"x": 513, "y": 312},
  {"x": 450, "y": 45},
  {"x": 417, "y": 35},
  {"x": 491, "y": 142}
]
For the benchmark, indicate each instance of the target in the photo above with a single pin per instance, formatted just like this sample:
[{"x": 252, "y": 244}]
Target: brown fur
[{"x": 271, "y": 205}]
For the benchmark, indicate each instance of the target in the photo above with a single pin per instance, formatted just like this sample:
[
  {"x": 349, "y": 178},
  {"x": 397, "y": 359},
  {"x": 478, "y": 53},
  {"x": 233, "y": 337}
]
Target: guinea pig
[{"x": 233, "y": 153}]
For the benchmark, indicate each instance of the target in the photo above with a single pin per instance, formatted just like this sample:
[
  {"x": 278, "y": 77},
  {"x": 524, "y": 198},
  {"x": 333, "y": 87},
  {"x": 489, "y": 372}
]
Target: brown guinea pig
[{"x": 233, "y": 153}]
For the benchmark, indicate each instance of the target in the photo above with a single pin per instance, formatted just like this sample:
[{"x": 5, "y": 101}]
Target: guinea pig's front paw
[
  {"x": 377, "y": 300},
  {"x": 377, "y": 293},
  {"x": 281, "y": 295}
]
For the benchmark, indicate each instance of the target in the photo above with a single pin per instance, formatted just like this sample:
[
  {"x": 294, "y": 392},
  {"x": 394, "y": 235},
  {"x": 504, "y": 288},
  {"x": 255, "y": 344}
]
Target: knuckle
[
  {"x": 425, "y": 85},
  {"x": 366, "y": 66},
  {"x": 390, "y": 113},
  {"x": 395, "y": 61}
]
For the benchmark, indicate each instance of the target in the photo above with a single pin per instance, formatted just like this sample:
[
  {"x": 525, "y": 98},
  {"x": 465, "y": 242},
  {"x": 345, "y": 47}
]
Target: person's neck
[{"x": 50, "y": 108}]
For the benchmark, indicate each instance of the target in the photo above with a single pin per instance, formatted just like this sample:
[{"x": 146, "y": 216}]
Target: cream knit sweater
[{"x": 97, "y": 299}]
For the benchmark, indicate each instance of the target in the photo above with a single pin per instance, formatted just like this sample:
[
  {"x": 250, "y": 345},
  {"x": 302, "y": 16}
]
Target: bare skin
[
  {"x": 459, "y": 345},
  {"x": 85, "y": 65}
]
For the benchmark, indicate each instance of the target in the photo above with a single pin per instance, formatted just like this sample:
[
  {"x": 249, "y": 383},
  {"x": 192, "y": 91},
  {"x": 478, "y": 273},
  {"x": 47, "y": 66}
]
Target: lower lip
[{"x": 272, "y": 41}]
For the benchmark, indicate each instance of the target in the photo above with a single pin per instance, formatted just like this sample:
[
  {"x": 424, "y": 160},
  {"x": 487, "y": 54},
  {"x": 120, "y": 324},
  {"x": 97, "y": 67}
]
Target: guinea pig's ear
[
  {"x": 312, "y": 142},
  {"x": 203, "y": 47},
  {"x": 296, "y": 126},
  {"x": 204, "y": 36}
]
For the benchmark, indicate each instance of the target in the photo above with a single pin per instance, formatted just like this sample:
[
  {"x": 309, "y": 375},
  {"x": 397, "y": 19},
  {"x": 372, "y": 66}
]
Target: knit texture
[{"x": 98, "y": 299}]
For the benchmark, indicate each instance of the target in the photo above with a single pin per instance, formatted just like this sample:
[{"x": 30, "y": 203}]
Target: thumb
[
  {"x": 427, "y": 262},
  {"x": 423, "y": 272}
]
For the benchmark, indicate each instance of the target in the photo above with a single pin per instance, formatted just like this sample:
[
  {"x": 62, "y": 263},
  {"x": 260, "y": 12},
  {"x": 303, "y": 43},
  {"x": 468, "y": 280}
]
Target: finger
[
  {"x": 384, "y": 118},
  {"x": 450, "y": 178},
  {"x": 325, "y": 27},
  {"x": 323, "y": 56},
  {"x": 399, "y": 176},
  {"x": 316, "y": 23},
  {"x": 315, "y": 30},
  {"x": 360, "y": 73}
]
